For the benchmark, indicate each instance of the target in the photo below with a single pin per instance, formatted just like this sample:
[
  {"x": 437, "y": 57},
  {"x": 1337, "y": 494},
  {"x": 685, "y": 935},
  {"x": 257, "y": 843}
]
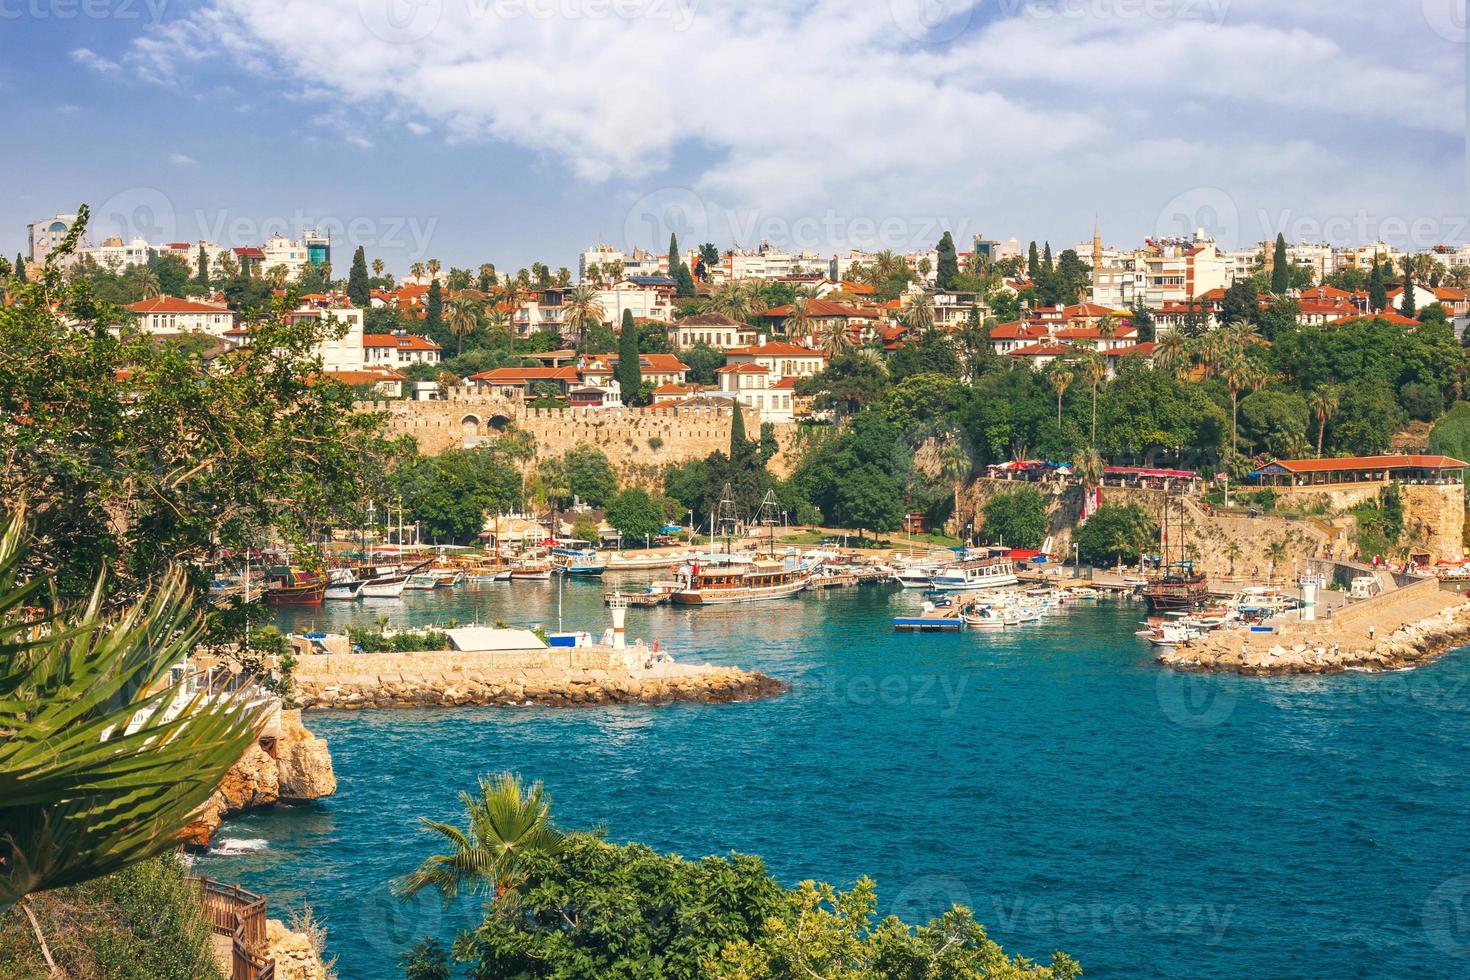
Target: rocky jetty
[
  {"x": 566, "y": 687},
  {"x": 287, "y": 764},
  {"x": 1410, "y": 645},
  {"x": 296, "y": 956}
]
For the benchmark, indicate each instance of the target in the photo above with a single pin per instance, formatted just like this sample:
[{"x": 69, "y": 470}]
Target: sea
[{"x": 1051, "y": 777}]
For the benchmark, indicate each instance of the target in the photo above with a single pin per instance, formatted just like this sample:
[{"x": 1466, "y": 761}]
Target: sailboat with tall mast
[
  {"x": 725, "y": 579},
  {"x": 1178, "y": 587}
]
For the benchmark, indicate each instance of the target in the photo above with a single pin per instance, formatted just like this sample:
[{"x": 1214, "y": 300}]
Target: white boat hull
[
  {"x": 385, "y": 589},
  {"x": 723, "y": 597}
]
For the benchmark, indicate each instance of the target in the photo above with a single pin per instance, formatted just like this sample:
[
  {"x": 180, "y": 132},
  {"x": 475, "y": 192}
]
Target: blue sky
[{"x": 518, "y": 130}]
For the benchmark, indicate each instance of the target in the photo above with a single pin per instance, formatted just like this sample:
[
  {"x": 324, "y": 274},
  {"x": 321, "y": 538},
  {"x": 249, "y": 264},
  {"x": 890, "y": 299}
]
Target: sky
[{"x": 514, "y": 131}]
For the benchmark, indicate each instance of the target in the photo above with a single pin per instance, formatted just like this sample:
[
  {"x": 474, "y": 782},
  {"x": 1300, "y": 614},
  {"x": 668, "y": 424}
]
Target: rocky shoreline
[
  {"x": 538, "y": 687},
  {"x": 287, "y": 764},
  {"x": 1411, "y": 645}
]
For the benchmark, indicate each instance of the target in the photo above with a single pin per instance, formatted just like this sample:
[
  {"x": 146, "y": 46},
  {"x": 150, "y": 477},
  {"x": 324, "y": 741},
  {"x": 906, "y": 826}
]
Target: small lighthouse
[{"x": 618, "y": 603}]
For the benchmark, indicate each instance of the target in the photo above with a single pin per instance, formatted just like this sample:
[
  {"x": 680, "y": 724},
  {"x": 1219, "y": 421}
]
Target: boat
[
  {"x": 1179, "y": 590},
  {"x": 422, "y": 582},
  {"x": 739, "y": 581},
  {"x": 932, "y": 619},
  {"x": 583, "y": 563},
  {"x": 976, "y": 574},
  {"x": 915, "y": 576},
  {"x": 291, "y": 587},
  {"x": 983, "y": 617},
  {"x": 348, "y": 590},
  {"x": 644, "y": 563},
  {"x": 384, "y": 587}
]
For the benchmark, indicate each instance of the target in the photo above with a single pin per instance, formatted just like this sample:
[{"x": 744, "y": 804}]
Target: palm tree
[
  {"x": 1107, "y": 327},
  {"x": 1323, "y": 402},
  {"x": 1242, "y": 334},
  {"x": 104, "y": 759},
  {"x": 463, "y": 318},
  {"x": 834, "y": 337},
  {"x": 378, "y": 268},
  {"x": 798, "y": 322},
  {"x": 506, "y": 825},
  {"x": 147, "y": 282},
  {"x": 582, "y": 310},
  {"x": 1232, "y": 552},
  {"x": 1061, "y": 377},
  {"x": 1090, "y": 366},
  {"x": 955, "y": 465},
  {"x": 868, "y": 357},
  {"x": 434, "y": 266},
  {"x": 1172, "y": 354},
  {"x": 1088, "y": 466},
  {"x": 498, "y": 320},
  {"x": 416, "y": 270},
  {"x": 918, "y": 313},
  {"x": 1237, "y": 372}
]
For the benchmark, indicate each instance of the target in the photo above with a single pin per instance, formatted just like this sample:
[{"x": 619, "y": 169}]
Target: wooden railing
[{"x": 236, "y": 913}]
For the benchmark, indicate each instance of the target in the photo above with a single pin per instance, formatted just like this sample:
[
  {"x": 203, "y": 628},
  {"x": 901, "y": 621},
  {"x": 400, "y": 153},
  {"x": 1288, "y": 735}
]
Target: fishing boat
[
  {"x": 915, "y": 576},
  {"x": 704, "y": 584},
  {"x": 531, "y": 571},
  {"x": 976, "y": 574},
  {"x": 348, "y": 590},
  {"x": 422, "y": 582},
  {"x": 983, "y": 617},
  {"x": 583, "y": 562},
  {"x": 291, "y": 587}
]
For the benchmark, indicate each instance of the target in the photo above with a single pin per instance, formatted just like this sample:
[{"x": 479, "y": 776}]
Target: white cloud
[
  {"x": 181, "y": 160},
  {"x": 768, "y": 109},
  {"x": 88, "y": 58}
]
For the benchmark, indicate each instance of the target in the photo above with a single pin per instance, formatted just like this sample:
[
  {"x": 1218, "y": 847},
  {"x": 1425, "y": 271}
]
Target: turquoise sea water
[{"x": 1051, "y": 777}]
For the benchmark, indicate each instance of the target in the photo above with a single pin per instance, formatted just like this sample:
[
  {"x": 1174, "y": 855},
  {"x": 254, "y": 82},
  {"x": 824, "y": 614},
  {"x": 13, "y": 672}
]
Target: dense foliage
[
  {"x": 1115, "y": 533},
  {"x": 1017, "y": 518}
]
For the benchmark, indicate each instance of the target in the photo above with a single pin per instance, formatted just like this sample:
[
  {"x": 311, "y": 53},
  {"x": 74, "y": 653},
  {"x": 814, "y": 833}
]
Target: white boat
[
  {"x": 976, "y": 574},
  {"x": 422, "y": 582},
  {"x": 644, "y": 563},
  {"x": 915, "y": 576},
  {"x": 387, "y": 587},
  {"x": 347, "y": 591},
  {"x": 984, "y": 617},
  {"x": 743, "y": 581}
]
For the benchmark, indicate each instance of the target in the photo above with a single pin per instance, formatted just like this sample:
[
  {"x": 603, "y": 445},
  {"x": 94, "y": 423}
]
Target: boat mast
[{"x": 728, "y": 518}]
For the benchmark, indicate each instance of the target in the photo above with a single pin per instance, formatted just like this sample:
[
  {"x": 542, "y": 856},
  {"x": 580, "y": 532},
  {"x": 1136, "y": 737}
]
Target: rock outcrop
[
  {"x": 287, "y": 764},
  {"x": 295, "y": 955}
]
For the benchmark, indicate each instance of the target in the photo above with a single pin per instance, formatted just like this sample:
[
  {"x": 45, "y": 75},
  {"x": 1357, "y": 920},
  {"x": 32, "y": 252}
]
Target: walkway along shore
[
  {"x": 1409, "y": 627},
  {"x": 555, "y": 677}
]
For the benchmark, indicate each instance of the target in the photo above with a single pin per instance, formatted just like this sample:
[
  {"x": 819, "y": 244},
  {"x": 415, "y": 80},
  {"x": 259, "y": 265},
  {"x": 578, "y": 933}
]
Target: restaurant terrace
[{"x": 1307, "y": 474}]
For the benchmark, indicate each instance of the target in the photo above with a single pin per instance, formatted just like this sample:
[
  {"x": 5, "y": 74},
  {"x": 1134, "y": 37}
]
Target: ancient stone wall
[{"x": 638, "y": 442}]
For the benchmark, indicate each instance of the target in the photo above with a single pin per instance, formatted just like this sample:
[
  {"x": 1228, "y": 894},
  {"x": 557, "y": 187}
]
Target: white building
[
  {"x": 168, "y": 314},
  {"x": 312, "y": 248},
  {"x": 780, "y": 359},
  {"x": 753, "y": 386},
  {"x": 646, "y": 297},
  {"x": 714, "y": 329},
  {"x": 44, "y": 235},
  {"x": 342, "y": 348},
  {"x": 399, "y": 349}
]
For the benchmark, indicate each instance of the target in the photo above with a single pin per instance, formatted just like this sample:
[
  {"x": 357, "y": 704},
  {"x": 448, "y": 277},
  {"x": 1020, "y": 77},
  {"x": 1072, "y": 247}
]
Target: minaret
[{"x": 1097, "y": 256}]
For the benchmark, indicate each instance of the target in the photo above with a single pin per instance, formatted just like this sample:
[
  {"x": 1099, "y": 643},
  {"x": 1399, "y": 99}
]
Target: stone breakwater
[
  {"x": 1412, "y": 644},
  {"x": 551, "y": 678}
]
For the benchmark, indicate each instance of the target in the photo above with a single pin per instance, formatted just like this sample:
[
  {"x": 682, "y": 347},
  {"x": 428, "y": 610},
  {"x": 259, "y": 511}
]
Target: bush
[
  {"x": 1115, "y": 533},
  {"x": 143, "y": 923},
  {"x": 1017, "y": 518},
  {"x": 1423, "y": 402},
  {"x": 374, "y": 641}
]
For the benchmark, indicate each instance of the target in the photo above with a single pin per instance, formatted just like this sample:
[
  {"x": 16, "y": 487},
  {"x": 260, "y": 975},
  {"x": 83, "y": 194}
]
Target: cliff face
[{"x": 294, "y": 767}]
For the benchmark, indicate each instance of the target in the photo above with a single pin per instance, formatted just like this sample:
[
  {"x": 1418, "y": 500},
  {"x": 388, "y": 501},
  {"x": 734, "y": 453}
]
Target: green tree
[
  {"x": 827, "y": 933},
  {"x": 870, "y": 499},
  {"x": 737, "y": 429},
  {"x": 629, "y": 371},
  {"x": 949, "y": 262},
  {"x": 427, "y": 960},
  {"x": 1115, "y": 533},
  {"x": 463, "y": 320},
  {"x": 19, "y": 268},
  {"x": 1274, "y": 420},
  {"x": 1377, "y": 289},
  {"x": 635, "y": 515},
  {"x": 434, "y": 312},
  {"x": 452, "y": 493},
  {"x": 202, "y": 269},
  {"x": 506, "y": 824},
  {"x": 1033, "y": 263},
  {"x": 703, "y": 361},
  {"x": 1451, "y": 434},
  {"x": 1410, "y": 305},
  {"x": 359, "y": 290},
  {"x": 1280, "y": 267},
  {"x": 589, "y": 475},
  {"x": 1017, "y": 518}
]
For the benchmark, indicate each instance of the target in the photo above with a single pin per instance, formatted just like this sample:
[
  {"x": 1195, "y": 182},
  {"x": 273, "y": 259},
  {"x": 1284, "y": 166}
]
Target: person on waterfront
[{"x": 1372, "y": 631}]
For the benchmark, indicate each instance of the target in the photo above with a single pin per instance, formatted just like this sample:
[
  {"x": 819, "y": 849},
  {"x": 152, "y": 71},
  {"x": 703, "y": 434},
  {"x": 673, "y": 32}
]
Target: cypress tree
[
  {"x": 737, "y": 431},
  {"x": 20, "y": 267},
  {"x": 629, "y": 373},
  {"x": 1046, "y": 262},
  {"x": 1377, "y": 290},
  {"x": 674, "y": 262},
  {"x": 203, "y": 273},
  {"x": 1033, "y": 263},
  {"x": 359, "y": 293},
  {"x": 1280, "y": 267},
  {"x": 434, "y": 307},
  {"x": 1410, "y": 306},
  {"x": 949, "y": 262}
]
